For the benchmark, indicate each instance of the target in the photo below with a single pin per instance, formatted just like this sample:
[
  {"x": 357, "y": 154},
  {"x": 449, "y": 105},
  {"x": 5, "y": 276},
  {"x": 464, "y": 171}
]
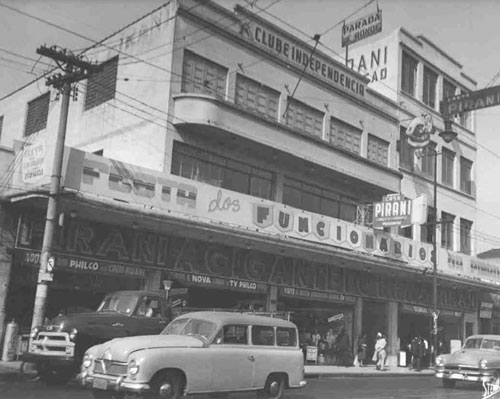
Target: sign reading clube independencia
[{"x": 298, "y": 53}]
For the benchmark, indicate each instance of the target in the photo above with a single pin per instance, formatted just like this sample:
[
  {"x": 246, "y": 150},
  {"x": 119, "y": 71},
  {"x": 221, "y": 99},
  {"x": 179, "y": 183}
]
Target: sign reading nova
[
  {"x": 471, "y": 101},
  {"x": 394, "y": 210}
]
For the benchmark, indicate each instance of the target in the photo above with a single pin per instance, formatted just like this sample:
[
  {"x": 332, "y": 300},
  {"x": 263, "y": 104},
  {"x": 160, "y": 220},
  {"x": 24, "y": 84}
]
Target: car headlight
[
  {"x": 483, "y": 363},
  {"x": 439, "y": 361},
  {"x": 87, "y": 361},
  {"x": 133, "y": 367},
  {"x": 73, "y": 333},
  {"x": 34, "y": 332}
]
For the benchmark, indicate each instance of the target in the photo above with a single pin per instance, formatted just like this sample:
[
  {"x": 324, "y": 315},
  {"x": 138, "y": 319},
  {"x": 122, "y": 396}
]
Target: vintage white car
[
  {"x": 477, "y": 361},
  {"x": 199, "y": 352}
]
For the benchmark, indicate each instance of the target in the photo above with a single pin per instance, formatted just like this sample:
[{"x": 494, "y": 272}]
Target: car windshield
[
  {"x": 124, "y": 304},
  {"x": 188, "y": 326},
  {"x": 482, "y": 343}
]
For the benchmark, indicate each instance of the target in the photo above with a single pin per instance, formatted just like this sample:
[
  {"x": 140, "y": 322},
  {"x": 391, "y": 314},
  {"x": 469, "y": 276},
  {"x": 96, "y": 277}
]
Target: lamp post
[{"x": 448, "y": 135}]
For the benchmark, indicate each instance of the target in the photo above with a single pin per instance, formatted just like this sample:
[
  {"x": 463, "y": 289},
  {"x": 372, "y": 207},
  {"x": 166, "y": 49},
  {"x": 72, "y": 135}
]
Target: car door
[
  {"x": 232, "y": 359},
  {"x": 264, "y": 341}
]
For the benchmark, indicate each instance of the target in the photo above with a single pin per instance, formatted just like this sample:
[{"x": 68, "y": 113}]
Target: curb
[{"x": 356, "y": 375}]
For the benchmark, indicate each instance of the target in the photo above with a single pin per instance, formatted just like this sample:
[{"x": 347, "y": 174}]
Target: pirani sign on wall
[
  {"x": 471, "y": 101},
  {"x": 394, "y": 210}
]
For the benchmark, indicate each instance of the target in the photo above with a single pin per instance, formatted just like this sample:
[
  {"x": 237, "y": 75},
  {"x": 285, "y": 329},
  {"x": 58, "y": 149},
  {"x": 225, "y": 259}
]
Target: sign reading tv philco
[
  {"x": 361, "y": 28},
  {"x": 471, "y": 101},
  {"x": 394, "y": 210}
]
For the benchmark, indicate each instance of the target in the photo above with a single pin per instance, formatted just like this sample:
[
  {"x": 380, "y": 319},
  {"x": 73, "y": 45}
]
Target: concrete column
[
  {"x": 358, "y": 323},
  {"x": 7, "y": 234},
  {"x": 152, "y": 280},
  {"x": 272, "y": 299},
  {"x": 392, "y": 334}
]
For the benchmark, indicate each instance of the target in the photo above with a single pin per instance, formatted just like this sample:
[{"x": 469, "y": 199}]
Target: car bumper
[
  {"x": 60, "y": 361},
  {"x": 466, "y": 375},
  {"x": 111, "y": 383}
]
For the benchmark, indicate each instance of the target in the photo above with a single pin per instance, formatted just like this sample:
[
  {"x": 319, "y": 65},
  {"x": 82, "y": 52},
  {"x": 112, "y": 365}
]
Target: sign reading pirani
[
  {"x": 394, "y": 210},
  {"x": 471, "y": 101},
  {"x": 361, "y": 28}
]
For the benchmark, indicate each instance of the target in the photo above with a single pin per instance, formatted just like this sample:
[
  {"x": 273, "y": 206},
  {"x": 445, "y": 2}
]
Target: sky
[{"x": 465, "y": 29}]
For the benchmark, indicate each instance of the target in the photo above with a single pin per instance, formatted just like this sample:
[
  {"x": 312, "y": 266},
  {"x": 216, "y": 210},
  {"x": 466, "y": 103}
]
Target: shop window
[
  {"x": 318, "y": 200},
  {"x": 378, "y": 150},
  {"x": 408, "y": 74},
  {"x": 200, "y": 75},
  {"x": 101, "y": 86},
  {"x": 263, "y": 335},
  {"x": 447, "y": 221},
  {"x": 465, "y": 175},
  {"x": 197, "y": 164},
  {"x": 465, "y": 236},
  {"x": 286, "y": 336},
  {"x": 256, "y": 97},
  {"x": 37, "y": 115},
  {"x": 427, "y": 230},
  {"x": 448, "y": 160},
  {"x": 345, "y": 136},
  {"x": 406, "y": 151},
  {"x": 430, "y": 82},
  {"x": 304, "y": 118},
  {"x": 428, "y": 160},
  {"x": 235, "y": 334}
]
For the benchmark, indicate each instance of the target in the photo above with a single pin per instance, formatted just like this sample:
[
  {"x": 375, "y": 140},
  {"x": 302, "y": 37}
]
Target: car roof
[{"x": 239, "y": 318}]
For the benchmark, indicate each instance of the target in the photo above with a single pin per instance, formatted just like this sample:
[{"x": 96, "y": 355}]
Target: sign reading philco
[
  {"x": 361, "y": 28},
  {"x": 394, "y": 210},
  {"x": 471, "y": 101}
]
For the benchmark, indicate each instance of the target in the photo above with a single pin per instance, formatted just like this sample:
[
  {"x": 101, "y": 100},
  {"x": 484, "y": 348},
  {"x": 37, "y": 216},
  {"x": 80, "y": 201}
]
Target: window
[
  {"x": 449, "y": 89},
  {"x": 286, "y": 336},
  {"x": 430, "y": 81},
  {"x": 263, "y": 335},
  {"x": 447, "y": 221},
  {"x": 203, "y": 76},
  {"x": 99, "y": 152},
  {"x": 465, "y": 236},
  {"x": 235, "y": 334},
  {"x": 208, "y": 167},
  {"x": 345, "y": 136},
  {"x": 405, "y": 231},
  {"x": 465, "y": 120},
  {"x": 257, "y": 97},
  {"x": 38, "y": 113},
  {"x": 149, "y": 307},
  {"x": 406, "y": 151},
  {"x": 304, "y": 118},
  {"x": 448, "y": 158},
  {"x": 101, "y": 86},
  {"x": 465, "y": 175},
  {"x": 318, "y": 200},
  {"x": 427, "y": 230},
  {"x": 378, "y": 150},
  {"x": 408, "y": 74},
  {"x": 428, "y": 160}
]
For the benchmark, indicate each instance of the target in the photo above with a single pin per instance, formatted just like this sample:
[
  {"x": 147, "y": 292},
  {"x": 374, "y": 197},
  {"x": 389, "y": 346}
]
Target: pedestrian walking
[
  {"x": 379, "y": 354},
  {"x": 362, "y": 348},
  {"x": 417, "y": 352}
]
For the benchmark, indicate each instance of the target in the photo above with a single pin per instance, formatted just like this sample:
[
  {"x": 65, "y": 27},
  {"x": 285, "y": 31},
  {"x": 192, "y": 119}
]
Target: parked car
[
  {"x": 477, "y": 361},
  {"x": 200, "y": 352},
  {"x": 57, "y": 348}
]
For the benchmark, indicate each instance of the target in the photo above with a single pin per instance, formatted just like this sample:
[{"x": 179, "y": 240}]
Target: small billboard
[
  {"x": 361, "y": 28},
  {"x": 394, "y": 210}
]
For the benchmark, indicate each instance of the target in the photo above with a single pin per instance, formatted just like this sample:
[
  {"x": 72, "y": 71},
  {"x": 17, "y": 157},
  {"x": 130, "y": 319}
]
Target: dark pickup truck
[{"x": 58, "y": 347}]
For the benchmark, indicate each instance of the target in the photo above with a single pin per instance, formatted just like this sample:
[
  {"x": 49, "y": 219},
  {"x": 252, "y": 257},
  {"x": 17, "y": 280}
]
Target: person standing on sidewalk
[
  {"x": 380, "y": 352},
  {"x": 417, "y": 349},
  {"x": 362, "y": 347}
]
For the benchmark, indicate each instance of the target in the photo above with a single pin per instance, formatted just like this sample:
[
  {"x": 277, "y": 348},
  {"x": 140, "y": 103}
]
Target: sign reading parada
[{"x": 361, "y": 28}]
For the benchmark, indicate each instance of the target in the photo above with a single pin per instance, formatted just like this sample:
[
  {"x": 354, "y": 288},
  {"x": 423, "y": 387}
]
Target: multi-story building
[{"x": 222, "y": 153}]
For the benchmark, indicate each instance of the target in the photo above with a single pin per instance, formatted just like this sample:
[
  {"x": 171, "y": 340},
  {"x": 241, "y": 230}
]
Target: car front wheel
[
  {"x": 274, "y": 388},
  {"x": 449, "y": 383},
  {"x": 168, "y": 385}
]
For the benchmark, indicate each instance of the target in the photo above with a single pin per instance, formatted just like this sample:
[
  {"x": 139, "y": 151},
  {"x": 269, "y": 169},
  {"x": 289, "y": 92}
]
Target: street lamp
[{"x": 448, "y": 135}]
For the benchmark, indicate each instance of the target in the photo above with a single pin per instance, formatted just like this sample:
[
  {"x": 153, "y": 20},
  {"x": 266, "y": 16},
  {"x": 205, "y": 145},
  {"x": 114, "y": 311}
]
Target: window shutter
[
  {"x": 37, "y": 115},
  {"x": 101, "y": 86}
]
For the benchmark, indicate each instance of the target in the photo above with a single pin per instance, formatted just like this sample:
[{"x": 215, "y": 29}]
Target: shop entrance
[{"x": 374, "y": 320}]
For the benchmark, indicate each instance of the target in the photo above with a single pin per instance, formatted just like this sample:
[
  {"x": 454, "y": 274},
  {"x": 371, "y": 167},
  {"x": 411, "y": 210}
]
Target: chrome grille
[{"x": 109, "y": 367}]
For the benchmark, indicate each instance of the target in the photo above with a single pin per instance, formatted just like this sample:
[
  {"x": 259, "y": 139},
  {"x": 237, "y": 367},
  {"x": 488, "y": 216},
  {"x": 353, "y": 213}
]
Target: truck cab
[{"x": 57, "y": 348}]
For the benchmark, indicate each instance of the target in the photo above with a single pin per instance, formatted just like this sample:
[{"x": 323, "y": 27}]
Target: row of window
[
  {"x": 409, "y": 75},
  {"x": 447, "y": 225},
  {"x": 261, "y": 335},
  {"x": 407, "y": 161},
  {"x": 206, "y": 77}
]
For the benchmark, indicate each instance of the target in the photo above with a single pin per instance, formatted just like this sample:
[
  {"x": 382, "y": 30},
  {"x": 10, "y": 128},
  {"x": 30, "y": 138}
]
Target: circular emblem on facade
[
  {"x": 423, "y": 253},
  {"x": 419, "y": 131},
  {"x": 354, "y": 237}
]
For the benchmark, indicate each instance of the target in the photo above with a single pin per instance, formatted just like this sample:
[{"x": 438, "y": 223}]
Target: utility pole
[{"x": 74, "y": 69}]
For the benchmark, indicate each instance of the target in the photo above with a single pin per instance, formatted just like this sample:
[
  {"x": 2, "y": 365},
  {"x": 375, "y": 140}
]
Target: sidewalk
[{"x": 9, "y": 371}]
